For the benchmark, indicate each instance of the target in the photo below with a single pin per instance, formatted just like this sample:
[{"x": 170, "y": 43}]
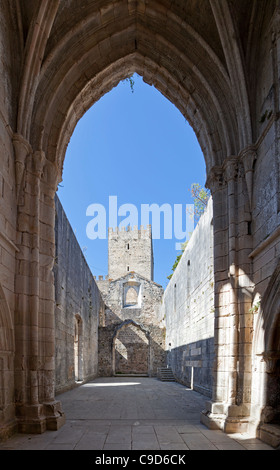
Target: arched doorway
[
  {"x": 131, "y": 349},
  {"x": 272, "y": 358},
  {"x": 266, "y": 364},
  {"x": 78, "y": 349}
]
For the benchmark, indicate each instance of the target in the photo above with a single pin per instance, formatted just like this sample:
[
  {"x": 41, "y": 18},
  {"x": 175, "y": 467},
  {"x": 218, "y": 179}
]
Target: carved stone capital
[
  {"x": 271, "y": 358},
  {"x": 248, "y": 157},
  {"x": 51, "y": 175},
  {"x": 38, "y": 163},
  {"x": 230, "y": 167},
  {"x": 215, "y": 179},
  {"x": 22, "y": 149}
]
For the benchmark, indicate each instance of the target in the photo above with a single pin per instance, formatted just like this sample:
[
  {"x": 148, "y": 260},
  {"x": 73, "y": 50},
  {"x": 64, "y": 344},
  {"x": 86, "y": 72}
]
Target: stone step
[
  {"x": 165, "y": 374},
  {"x": 270, "y": 433}
]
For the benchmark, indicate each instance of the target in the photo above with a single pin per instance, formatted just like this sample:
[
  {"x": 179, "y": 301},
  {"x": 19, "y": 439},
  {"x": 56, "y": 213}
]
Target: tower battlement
[
  {"x": 123, "y": 231},
  {"x": 130, "y": 249}
]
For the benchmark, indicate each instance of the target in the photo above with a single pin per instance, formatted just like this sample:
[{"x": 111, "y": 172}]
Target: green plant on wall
[
  {"x": 131, "y": 83},
  {"x": 255, "y": 307},
  {"x": 183, "y": 246},
  {"x": 200, "y": 198}
]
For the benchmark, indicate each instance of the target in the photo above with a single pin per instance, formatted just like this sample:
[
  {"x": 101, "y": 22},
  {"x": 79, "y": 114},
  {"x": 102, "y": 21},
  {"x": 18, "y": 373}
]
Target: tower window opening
[
  {"x": 128, "y": 268},
  {"x": 128, "y": 246}
]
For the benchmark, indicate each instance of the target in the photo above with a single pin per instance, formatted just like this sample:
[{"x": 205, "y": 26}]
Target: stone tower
[{"x": 130, "y": 250}]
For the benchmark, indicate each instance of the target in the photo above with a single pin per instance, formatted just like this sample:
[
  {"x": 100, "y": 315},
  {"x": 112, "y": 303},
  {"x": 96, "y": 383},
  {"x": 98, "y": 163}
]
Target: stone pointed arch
[
  {"x": 37, "y": 38},
  {"x": 266, "y": 363},
  {"x": 235, "y": 63},
  {"x": 132, "y": 353},
  {"x": 268, "y": 316},
  {"x": 177, "y": 60}
]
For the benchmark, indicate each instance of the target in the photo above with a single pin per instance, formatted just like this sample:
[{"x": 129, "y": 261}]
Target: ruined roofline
[
  {"x": 129, "y": 229},
  {"x": 134, "y": 273}
]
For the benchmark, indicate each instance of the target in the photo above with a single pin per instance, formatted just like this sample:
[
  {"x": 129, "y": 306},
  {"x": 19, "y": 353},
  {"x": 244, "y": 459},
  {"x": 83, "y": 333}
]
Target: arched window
[{"x": 131, "y": 297}]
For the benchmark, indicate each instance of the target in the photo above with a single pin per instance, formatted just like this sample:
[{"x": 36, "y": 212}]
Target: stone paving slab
[{"x": 121, "y": 413}]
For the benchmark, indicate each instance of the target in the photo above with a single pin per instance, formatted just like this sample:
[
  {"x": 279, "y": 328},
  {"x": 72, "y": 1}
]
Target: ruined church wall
[
  {"x": 188, "y": 307},
  {"x": 8, "y": 214},
  {"x": 120, "y": 324},
  {"x": 8, "y": 207},
  {"x": 77, "y": 297},
  {"x": 265, "y": 191},
  {"x": 265, "y": 252}
]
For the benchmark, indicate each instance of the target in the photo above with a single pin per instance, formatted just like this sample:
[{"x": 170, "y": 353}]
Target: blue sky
[{"x": 135, "y": 146}]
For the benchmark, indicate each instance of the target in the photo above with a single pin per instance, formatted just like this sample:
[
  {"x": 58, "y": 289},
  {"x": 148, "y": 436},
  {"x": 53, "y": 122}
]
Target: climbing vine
[{"x": 131, "y": 83}]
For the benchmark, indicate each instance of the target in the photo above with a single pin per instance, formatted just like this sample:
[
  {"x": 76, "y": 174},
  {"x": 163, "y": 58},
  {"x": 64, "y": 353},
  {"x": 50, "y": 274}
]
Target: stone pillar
[
  {"x": 231, "y": 218},
  {"x": 230, "y": 173},
  {"x": 52, "y": 408},
  {"x": 245, "y": 276},
  {"x": 31, "y": 319},
  {"x": 213, "y": 415}
]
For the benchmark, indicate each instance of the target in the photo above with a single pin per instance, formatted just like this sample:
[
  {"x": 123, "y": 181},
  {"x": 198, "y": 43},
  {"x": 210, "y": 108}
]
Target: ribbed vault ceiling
[{"x": 198, "y": 53}]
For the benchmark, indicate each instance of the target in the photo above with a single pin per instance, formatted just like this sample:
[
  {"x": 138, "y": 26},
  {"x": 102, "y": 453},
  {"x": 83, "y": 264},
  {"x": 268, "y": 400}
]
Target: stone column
[
  {"x": 226, "y": 410},
  {"x": 216, "y": 183},
  {"x": 245, "y": 277},
  {"x": 52, "y": 408},
  {"x": 30, "y": 325},
  {"x": 230, "y": 173}
]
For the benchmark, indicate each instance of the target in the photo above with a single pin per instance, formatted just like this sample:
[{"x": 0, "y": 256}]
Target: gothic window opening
[{"x": 131, "y": 295}]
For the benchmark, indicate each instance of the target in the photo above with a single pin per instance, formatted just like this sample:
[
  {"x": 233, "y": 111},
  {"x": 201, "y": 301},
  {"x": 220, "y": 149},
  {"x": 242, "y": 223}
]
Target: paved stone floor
[{"x": 132, "y": 413}]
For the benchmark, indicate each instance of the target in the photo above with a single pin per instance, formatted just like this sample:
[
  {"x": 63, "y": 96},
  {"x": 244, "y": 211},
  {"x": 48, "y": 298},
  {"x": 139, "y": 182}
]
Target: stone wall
[
  {"x": 78, "y": 305},
  {"x": 130, "y": 250},
  {"x": 188, "y": 306},
  {"x": 135, "y": 332},
  {"x": 8, "y": 220},
  {"x": 265, "y": 258}
]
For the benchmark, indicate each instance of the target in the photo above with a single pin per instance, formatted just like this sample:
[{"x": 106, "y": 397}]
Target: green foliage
[
  {"x": 255, "y": 307},
  {"x": 200, "y": 197},
  {"x": 131, "y": 83},
  {"x": 183, "y": 246}
]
